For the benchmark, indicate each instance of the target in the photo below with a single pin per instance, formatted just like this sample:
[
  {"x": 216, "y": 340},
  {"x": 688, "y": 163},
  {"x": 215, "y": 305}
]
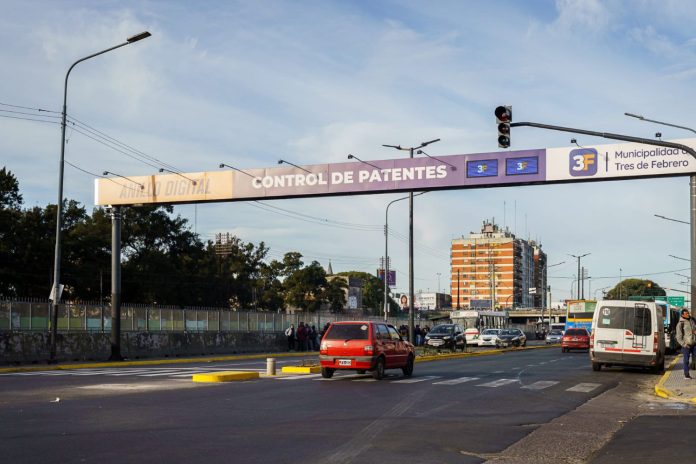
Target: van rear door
[
  {"x": 610, "y": 332},
  {"x": 639, "y": 339}
]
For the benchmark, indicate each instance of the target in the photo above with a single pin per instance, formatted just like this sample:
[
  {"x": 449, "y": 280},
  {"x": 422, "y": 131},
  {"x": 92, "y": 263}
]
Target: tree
[
  {"x": 304, "y": 288},
  {"x": 335, "y": 294},
  {"x": 634, "y": 287},
  {"x": 10, "y": 237}
]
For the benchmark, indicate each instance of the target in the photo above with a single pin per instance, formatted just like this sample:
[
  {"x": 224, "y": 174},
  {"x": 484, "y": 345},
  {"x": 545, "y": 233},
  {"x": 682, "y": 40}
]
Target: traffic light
[{"x": 503, "y": 117}]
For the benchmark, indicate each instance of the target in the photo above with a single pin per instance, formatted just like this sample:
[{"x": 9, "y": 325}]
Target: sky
[{"x": 246, "y": 83}]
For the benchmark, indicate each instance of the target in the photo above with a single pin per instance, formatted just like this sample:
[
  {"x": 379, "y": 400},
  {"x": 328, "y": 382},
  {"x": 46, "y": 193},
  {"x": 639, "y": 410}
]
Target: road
[{"x": 500, "y": 408}]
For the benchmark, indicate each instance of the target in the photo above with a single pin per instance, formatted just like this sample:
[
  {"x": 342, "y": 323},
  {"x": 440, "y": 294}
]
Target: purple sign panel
[
  {"x": 452, "y": 171},
  {"x": 391, "y": 280}
]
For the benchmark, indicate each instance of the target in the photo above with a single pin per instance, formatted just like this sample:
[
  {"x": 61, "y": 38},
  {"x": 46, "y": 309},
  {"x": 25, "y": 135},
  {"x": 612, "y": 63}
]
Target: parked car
[
  {"x": 449, "y": 336},
  {"x": 365, "y": 346},
  {"x": 489, "y": 337},
  {"x": 575, "y": 339},
  {"x": 511, "y": 337},
  {"x": 554, "y": 336}
]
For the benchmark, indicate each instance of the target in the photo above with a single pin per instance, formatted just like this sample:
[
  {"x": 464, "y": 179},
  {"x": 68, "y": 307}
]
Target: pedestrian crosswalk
[
  {"x": 185, "y": 373},
  {"x": 435, "y": 380}
]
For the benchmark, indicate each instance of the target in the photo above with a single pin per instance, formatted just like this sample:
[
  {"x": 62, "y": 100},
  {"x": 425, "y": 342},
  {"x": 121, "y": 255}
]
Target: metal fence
[{"x": 35, "y": 315}]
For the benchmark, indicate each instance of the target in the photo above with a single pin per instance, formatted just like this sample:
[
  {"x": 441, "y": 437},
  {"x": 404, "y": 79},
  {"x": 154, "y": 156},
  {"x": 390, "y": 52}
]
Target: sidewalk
[{"x": 674, "y": 386}]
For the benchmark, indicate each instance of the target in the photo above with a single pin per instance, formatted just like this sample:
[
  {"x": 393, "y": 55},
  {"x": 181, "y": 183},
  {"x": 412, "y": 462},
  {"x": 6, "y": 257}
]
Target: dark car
[
  {"x": 448, "y": 336},
  {"x": 511, "y": 337},
  {"x": 365, "y": 346}
]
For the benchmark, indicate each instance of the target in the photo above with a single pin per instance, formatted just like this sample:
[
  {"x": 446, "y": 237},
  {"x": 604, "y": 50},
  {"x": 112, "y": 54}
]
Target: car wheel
[
  {"x": 408, "y": 368},
  {"x": 327, "y": 372},
  {"x": 660, "y": 368},
  {"x": 378, "y": 371},
  {"x": 596, "y": 366}
]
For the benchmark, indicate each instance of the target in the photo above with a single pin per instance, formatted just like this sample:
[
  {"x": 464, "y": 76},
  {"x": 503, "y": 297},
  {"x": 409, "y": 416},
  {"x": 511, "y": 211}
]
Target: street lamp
[
  {"x": 692, "y": 201},
  {"x": 410, "y": 238},
  {"x": 59, "y": 207},
  {"x": 223, "y": 165},
  {"x": 386, "y": 253},
  {"x": 578, "y": 257}
]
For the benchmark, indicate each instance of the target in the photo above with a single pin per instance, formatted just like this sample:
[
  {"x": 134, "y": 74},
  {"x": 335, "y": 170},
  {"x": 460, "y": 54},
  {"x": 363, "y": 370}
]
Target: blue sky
[{"x": 247, "y": 83}]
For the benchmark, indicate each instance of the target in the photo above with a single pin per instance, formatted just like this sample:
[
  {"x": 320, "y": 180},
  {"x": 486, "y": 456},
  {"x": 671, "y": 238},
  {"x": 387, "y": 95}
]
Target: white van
[{"x": 627, "y": 333}]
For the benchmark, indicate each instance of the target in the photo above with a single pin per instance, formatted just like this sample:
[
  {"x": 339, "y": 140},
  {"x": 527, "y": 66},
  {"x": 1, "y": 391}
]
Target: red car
[
  {"x": 365, "y": 346},
  {"x": 575, "y": 339}
]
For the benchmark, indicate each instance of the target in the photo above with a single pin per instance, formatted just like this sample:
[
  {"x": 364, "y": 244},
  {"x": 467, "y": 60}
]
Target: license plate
[{"x": 344, "y": 362}]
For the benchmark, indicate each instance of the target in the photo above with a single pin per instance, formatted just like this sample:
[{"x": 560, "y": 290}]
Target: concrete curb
[
  {"x": 225, "y": 376},
  {"x": 301, "y": 369},
  {"x": 149, "y": 362},
  {"x": 663, "y": 392}
]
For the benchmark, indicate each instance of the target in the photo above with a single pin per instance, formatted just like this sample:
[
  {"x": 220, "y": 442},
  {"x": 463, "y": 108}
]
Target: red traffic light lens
[{"x": 503, "y": 114}]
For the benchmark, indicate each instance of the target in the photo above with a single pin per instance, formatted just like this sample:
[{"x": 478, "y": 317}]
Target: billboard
[{"x": 508, "y": 168}]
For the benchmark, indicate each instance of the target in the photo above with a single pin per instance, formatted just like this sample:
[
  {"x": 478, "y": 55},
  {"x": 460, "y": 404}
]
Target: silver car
[
  {"x": 555, "y": 336},
  {"x": 489, "y": 337}
]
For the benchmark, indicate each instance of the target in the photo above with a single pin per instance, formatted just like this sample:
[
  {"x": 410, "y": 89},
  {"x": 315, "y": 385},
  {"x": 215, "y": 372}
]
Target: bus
[
  {"x": 475, "y": 321},
  {"x": 579, "y": 314}
]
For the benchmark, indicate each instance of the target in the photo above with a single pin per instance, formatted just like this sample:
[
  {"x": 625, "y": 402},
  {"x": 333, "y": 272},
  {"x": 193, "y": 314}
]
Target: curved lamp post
[{"x": 55, "y": 293}]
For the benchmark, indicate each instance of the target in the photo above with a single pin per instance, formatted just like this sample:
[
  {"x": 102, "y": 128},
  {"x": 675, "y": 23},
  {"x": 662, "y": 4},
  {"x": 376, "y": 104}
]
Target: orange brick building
[{"x": 494, "y": 269}]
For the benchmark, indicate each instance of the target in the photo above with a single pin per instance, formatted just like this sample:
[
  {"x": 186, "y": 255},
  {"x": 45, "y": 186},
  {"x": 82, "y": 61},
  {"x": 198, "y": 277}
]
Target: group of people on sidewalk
[
  {"x": 686, "y": 336},
  {"x": 304, "y": 338}
]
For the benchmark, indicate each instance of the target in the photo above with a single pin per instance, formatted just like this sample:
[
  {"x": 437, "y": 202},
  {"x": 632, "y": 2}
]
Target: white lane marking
[
  {"x": 298, "y": 377},
  {"x": 346, "y": 377},
  {"x": 584, "y": 387},
  {"x": 540, "y": 385},
  {"x": 157, "y": 374},
  {"x": 417, "y": 379},
  {"x": 498, "y": 372},
  {"x": 516, "y": 368},
  {"x": 456, "y": 381},
  {"x": 498, "y": 383}
]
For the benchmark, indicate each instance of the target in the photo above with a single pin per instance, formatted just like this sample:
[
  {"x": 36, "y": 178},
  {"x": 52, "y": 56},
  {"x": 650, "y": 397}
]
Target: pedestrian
[
  {"x": 418, "y": 335},
  {"x": 302, "y": 337},
  {"x": 686, "y": 336},
  {"x": 290, "y": 333}
]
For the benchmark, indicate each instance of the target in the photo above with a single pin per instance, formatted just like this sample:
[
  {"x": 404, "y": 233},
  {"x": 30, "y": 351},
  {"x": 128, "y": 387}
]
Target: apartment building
[{"x": 495, "y": 269}]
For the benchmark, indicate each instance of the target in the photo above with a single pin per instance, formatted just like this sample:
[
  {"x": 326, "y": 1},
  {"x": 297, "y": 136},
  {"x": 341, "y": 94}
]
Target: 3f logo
[{"x": 583, "y": 162}]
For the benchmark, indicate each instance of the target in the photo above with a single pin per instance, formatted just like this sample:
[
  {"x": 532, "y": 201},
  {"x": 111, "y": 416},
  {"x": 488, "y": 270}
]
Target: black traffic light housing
[{"x": 503, "y": 118}]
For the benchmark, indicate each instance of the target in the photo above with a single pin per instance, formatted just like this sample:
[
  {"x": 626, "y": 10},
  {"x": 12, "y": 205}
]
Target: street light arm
[
  {"x": 642, "y": 118},
  {"x": 609, "y": 135}
]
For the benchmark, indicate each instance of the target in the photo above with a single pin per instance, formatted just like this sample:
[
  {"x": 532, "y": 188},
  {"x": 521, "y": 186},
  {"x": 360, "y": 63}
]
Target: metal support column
[
  {"x": 116, "y": 284},
  {"x": 692, "y": 186}
]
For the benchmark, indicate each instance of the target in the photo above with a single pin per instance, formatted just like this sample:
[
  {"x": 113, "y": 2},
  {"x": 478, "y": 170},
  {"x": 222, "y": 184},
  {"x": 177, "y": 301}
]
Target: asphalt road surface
[{"x": 462, "y": 410}]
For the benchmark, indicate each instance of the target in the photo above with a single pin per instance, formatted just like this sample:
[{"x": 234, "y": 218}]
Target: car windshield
[
  {"x": 491, "y": 332},
  {"x": 576, "y": 332},
  {"x": 347, "y": 332},
  {"x": 555, "y": 332},
  {"x": 442, "y": 329},
  {"x": 508, "y": 332}
]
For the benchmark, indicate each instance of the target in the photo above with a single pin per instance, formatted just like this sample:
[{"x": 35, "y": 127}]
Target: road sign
[
  {"x": 532, "y": 290},
  {"x": 676, "y": 301}
]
